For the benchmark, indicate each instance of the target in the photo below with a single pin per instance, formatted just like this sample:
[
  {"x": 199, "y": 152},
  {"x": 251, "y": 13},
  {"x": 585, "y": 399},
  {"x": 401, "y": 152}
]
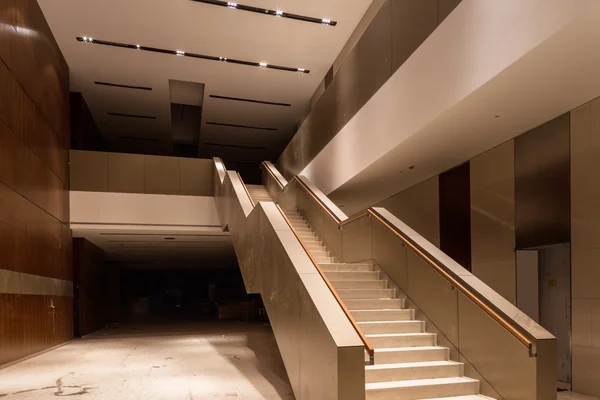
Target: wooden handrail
[
  {"x": 368, "y": 346},
  {"x": 509, "y": 327},
  {"x": 465, "y": 290},
  {"x": 246, "y": 189}
]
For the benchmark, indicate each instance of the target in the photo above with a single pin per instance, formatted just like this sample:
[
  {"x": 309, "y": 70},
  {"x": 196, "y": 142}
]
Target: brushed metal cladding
[{"x": 322, "y": 353}]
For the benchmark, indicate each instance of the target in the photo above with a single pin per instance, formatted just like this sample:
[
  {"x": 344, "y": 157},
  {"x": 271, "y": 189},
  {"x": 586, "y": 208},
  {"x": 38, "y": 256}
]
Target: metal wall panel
[{"x": 542, "y": 185}]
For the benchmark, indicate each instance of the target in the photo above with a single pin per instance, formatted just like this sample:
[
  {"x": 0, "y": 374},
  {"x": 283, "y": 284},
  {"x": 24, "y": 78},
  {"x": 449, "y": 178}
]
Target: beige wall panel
[
  {"x": 500, "y": 275},
  {"x": 418, "y": 207},
  {"x": 581, "y": 125},
  {"x": 434, "y": 295},
  {"x": 333, "y": 237},
  {"x": 412, "y": 22},
  {"x": 389, "y": 253},
  {"x": 195, "y": 177},
  {"x": 357, "y": 240},
  {"x": 494, "y": 166},
  {"x": 585, "y": 224},
  {"x": 485, "y": 388},
  {"x": 496, "y": 353},
  {"x": 161, "y": 175},
  {"x": 492, "y": 242},
  {"x": 595, "y": 123},
  {"x": 586, "y": 364},
  {"x": 585, "y": 177},
  {"x": 125, "y": 173},
  {"x": 375, "y": 54},
  {"x": 585, "y": 274},
  {"x": 494, "y": 204},
  {"x": 582, "y": 322},
  {"x": 89, "y": 171},
  {"x": 595, "y": 323}
]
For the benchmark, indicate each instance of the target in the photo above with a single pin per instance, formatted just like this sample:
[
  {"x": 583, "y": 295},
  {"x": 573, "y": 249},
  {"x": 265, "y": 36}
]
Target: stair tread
[
  {"x": 375, "y": 335},
  {"x": 418, "y": 382},
  {"x": 416, "y": 348},
  {"x": 412, "y": 364},
  {"x": 467, "y": 397},
  {"x": 400, "y": 322}
]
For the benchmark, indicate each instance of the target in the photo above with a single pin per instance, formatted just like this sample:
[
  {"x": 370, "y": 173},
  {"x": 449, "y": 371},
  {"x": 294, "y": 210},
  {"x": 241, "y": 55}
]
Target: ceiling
[
  {"x": 159, "y": 245},
  {"x": 201, "y": 28},
  {"x": 457, "y": 97}
]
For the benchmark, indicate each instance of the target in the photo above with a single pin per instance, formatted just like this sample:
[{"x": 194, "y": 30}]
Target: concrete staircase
[
  {"x": 258, "y": 193},
  {"x": 408, "y": 363}
]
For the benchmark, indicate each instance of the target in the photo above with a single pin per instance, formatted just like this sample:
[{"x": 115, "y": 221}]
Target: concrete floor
[{"x": 185, "y": 362}]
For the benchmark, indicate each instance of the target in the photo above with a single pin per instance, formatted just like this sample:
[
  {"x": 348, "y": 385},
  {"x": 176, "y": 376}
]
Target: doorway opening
[{"x": 544, "y": 294}]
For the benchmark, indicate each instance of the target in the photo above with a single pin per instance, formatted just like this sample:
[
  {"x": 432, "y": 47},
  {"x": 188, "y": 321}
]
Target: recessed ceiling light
[
  {"x": 266, "y": 11},
  {"x": 411, "y": 167},
  {"x": 262, "y": 64}
]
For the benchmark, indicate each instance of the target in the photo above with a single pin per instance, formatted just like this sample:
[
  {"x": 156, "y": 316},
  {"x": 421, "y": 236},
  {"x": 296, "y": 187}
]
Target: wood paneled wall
[
  {"x": 396, "y": 31},
  {"x": 34, "y": 207}
]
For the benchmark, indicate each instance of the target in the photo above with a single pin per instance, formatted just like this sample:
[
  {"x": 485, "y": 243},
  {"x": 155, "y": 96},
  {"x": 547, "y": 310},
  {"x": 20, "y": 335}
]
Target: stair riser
[
  {"x": 324, "y": 260},
  {"x": 413, "y": 373},
  {"x": 408, "y": 327},
  {"x": 353, "y": 276},
  {"x": 391, "y": 357},
  {"x": 402, "y": 341},
  {"x": 360, "y": 304},
  {"x": 376, "y": 315},
  {"x": 347, "y": 284},
  {"x": 424, "y": 392},
  {"x": 366, "y": 293}
]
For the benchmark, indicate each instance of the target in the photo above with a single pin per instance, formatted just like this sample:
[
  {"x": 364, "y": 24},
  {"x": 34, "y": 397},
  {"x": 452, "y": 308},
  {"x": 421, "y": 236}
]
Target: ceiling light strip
[
  {"x": 270, "y": 103},
  {"x": 181, "y": 53},
  {"x": 122, "y": 86},
  {"x": 241, "y": 126},
  {"x": 265, "y": 11}
]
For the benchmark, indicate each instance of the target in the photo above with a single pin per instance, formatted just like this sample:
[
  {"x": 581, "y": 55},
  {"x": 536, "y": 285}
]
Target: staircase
[
  {"x": 258, "y": 193},
  {"x": 408, "y": 363}
]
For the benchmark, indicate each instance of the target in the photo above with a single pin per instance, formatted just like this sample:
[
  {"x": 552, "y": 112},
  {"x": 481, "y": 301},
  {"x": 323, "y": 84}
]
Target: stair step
[
  {"x": 324, "y": 260},
  {"x": 422, "y": 388},
  {"x": 383, "y": 315},
  {"x": 412, "y": 371},
  {"x": 393, "y": 355},
  {"x": 374, "y": 304},
  {"x": 382, "y": 327},
  {"x": 360, "y": 284},
  {"x": 342, "y": 267},
  {"x": 367, "y": 293},
  {"x": 467, "y": 397},
  {"x": 387, "y": 340},
  {"x": 353, "y": 276}
]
